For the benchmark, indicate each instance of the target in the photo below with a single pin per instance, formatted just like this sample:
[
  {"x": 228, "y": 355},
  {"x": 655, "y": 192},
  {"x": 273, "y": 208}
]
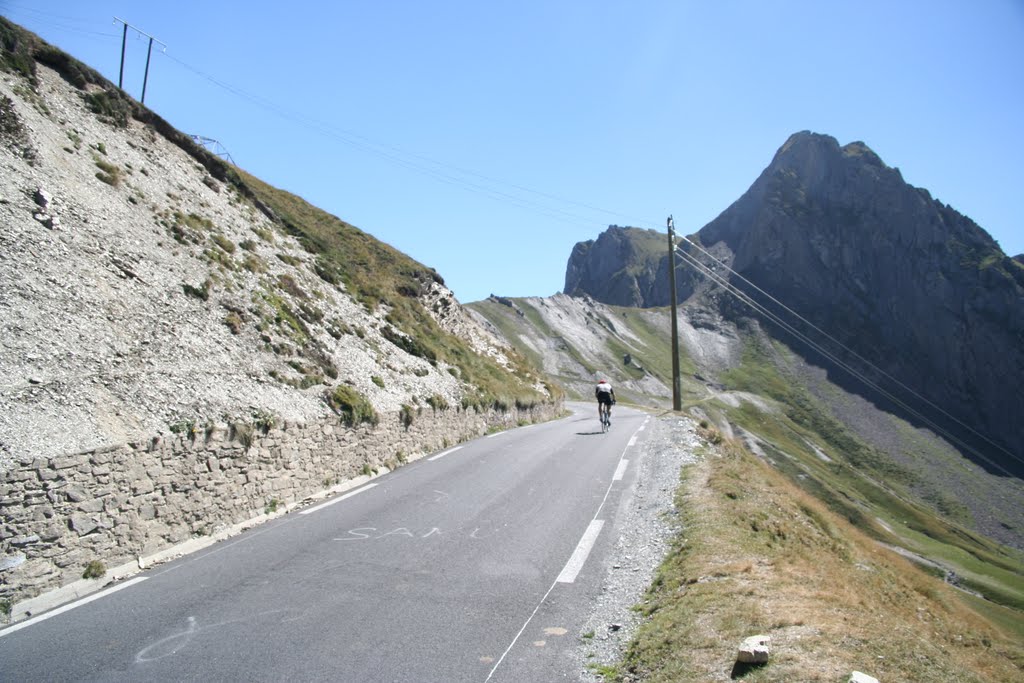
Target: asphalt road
[{"x": 468, "y": 565}]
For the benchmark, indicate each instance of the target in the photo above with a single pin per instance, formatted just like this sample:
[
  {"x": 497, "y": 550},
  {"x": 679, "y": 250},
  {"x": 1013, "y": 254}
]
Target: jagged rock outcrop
[
  {"x": 622, "y": 267},
  {"x": 903, "y": 280}
]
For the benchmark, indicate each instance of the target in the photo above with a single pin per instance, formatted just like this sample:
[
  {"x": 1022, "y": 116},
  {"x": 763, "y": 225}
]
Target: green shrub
[
  {"x": 254, "y": 264},
  {"x": 352, "y": 406},
  {"x": 202, "y": 292},
  {"x": 94, "y": 570},
  {"x": 224, "y": 243},
  {"x": 406, "y": 416},
  {"x": 234, "y": 322},
  {"x": 263, "y": 419},
  {"x": 437, "y": 402},
  {"x": 244, "y": 433},
  {"x": 108, "y": 173},
  {"x": 186, "y": 427},
  {"x": 378, "y": 381},
  {"x": 110, "y": 107}
]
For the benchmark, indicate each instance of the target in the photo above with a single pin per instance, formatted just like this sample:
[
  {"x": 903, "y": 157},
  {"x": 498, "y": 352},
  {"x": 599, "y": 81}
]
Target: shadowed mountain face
[{"x": 904, "y": 281}]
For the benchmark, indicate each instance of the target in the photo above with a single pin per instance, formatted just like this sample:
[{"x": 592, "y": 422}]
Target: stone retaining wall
[{"x": 115, "y": 505}]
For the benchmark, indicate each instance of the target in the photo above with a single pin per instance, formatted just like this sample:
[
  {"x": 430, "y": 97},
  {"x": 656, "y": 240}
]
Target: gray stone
[
  {"x": 25, "y": 540},
  {"x": 94, "y": 505},
  {"x": 83, "y": 524},
  {"x": 42, "y": 198},
  {"x": 754, "y": 650},
  {"x": 11, "y": 561},
  {"x": 75, "y": 495}
]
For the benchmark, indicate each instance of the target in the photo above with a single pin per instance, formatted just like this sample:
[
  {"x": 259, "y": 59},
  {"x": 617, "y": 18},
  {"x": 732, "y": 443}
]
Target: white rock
[
  {"x": 858, "y": 677},
  {"x": 754, "y": 650}
]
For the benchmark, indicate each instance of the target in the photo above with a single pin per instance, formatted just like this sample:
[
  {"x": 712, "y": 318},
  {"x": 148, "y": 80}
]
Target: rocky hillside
[
  {"x": 577, "y": 341},
  {"x": 147, "y": 288},
  {"x": 903, "y": 280}
]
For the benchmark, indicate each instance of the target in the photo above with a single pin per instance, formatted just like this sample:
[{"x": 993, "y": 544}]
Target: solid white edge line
[
  {"x": 620, "y": 470},
  {"x": 579, "y": 556},
  {"x": 441, "y": 455},
  {"x": 491, "y": 436},
  {"x": 336, "y": 500},
  {"x": 72, "y": 605}
]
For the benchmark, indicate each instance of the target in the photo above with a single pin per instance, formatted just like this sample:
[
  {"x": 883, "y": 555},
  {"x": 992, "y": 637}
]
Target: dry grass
[{"x": 759, "y": 556}]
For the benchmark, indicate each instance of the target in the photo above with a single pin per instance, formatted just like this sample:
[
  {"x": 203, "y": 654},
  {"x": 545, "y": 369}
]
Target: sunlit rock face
[{"x": 901, "y": 279}]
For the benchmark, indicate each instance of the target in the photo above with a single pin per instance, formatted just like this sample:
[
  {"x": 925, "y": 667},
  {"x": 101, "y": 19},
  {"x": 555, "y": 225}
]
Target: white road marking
[
  {"x": 620, "y": 470},
  {"x": 595, "y": 523},
  {"x": 632, "y": 441},
  {"x": 441, "y": 455},
  {"x": 72, "y": 605},
  {"x": 579, "y": 556},
  {"x": 491, "y": 436},
  {"x": 336, "y": 500}
]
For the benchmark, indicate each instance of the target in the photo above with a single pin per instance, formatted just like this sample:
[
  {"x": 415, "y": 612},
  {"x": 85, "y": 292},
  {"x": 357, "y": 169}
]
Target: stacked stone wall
[{"x": 118, "y": 504}]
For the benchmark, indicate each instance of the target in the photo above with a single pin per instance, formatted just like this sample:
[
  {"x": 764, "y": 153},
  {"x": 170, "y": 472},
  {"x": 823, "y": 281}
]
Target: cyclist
[{"x": 605, "y": 397}]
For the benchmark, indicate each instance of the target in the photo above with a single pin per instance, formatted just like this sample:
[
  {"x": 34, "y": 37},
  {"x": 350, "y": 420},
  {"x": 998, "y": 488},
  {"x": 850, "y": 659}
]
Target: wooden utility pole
[{"x": 677, "y": 398}]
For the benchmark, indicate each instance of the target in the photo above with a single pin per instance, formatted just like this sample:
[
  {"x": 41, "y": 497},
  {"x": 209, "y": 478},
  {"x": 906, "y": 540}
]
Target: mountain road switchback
[{"x": 488, "y": 561}]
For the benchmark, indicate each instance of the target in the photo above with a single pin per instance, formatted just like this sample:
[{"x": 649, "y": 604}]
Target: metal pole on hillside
[
  {"x": 677, "y": 399},
  {"x": 145, "y": 79},
  {"x": 124, "y": 37},
  {"x": 124, "y": 40}
]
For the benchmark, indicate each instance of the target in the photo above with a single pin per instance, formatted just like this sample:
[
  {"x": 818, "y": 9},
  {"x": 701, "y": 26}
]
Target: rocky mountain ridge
[{"x": 901, "y": 279}]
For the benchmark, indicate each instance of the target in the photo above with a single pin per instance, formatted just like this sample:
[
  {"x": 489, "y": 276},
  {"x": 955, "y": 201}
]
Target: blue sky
[{"x": 485, "y": 139}]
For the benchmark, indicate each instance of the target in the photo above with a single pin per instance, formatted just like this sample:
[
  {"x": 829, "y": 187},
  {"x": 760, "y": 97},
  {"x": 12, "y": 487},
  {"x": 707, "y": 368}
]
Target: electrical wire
[
  {"x": 402, "y": 158},
  {"x": 47, "y": 19},
  {"x": 447, "y": 173},
  {"x": 860, "y": 358},
  {"x": 491, "y": 188},
  {"x": 746, "y": 299}
]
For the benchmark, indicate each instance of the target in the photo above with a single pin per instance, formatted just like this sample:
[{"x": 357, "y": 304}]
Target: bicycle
[{"x": 605, "y": 410}]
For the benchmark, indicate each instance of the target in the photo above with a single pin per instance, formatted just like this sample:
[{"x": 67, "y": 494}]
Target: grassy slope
[
  {"x": 852, "y": 500},
  {"x": 381, "y": 276},
  {"x": 758, "y": 555},
  {"x": 866, "y": 486}
]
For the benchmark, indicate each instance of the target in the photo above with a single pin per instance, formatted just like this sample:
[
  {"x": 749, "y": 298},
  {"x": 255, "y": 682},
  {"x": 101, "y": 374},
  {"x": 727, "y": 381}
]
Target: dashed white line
[
  {"x": 632, "y": 441},
  {"x": 579, "y": 556},
  {"x": 336, "y": 500},
  {"x": 441, "y": 455},
  {"x": 72, "y": 605},
  {"x": 620, "y": 470}
]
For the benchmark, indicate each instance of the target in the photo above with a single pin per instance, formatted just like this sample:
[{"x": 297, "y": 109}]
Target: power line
[
  {"x": 856, "y": 355},
  {"x": 745, "y": 298},
  {"x": 460, "y": 177},
  {"x": 448, "y": 175},
  {"x": 441, "y": 171}
]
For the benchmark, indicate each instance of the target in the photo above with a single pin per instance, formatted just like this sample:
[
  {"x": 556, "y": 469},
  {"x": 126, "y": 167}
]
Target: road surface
[{"x": 473, "y": 564}]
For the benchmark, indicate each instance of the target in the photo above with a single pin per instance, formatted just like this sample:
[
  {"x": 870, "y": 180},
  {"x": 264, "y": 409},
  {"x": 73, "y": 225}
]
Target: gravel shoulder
[{"x": 649, "y": 520}]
